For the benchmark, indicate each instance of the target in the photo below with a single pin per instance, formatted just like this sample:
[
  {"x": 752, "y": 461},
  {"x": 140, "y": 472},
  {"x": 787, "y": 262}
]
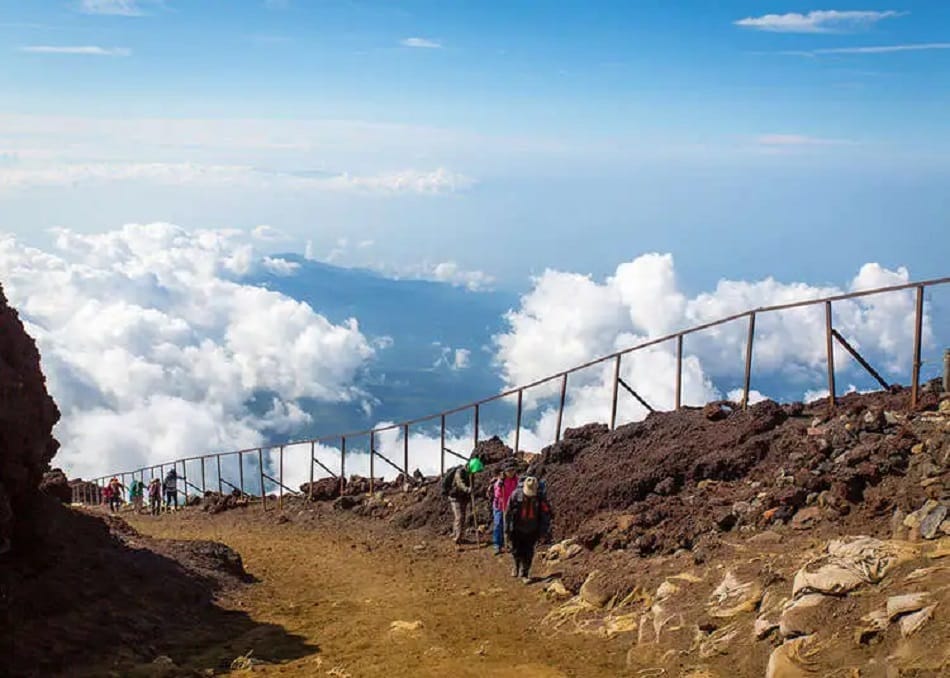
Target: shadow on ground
[{"x": 90, "y": 596}]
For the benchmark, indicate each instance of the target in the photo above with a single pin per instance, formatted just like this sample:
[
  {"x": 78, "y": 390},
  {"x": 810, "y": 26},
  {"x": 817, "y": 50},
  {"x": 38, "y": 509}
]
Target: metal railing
[{"x": 85, "y": 494}]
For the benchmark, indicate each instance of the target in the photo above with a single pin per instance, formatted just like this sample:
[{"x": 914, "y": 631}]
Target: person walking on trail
[
  {"x": 155, "y": 496},
  {"x": 115, "y": 494},
  {"x": 136, "y": 494},
  {"x": 501, "y": 490},
  {"x": 107, "y": 495},
  {"x": 458, "y": 486},
  {"x": 171, "y": 489},
  {"x": 527, "y": 519}
]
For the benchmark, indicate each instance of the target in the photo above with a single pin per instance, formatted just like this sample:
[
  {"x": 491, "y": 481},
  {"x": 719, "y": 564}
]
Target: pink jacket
[{"x": 504, "y": 488}]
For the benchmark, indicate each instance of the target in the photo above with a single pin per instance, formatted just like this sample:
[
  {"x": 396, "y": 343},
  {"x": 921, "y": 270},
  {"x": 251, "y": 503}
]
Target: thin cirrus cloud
[
  {"x": 820, "y": 21},
  {"x": 791, "y": 140},
  {"x": 78, "y": 50},
  {"x": 114, "y": 7},
  {"x": 424, "y": 43},
  {"x": 873, "y": 49},
  {"x": 402, "y": 182}
]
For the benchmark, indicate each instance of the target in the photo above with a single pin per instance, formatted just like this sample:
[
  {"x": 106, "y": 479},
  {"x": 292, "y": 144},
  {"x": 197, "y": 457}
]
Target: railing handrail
[{"x": 920, "y": 285}]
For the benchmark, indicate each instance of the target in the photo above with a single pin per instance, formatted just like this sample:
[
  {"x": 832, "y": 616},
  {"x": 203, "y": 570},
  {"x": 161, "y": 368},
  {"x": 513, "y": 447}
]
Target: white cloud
[
  {"x": 279, "y": 266},
  {"x": 154, "y": 348},
  {"x": 820, "y": 21},
  {"x": 455, "y": 359},
  {"x": 85, "y": 50},
  {"x": 462, "y": 359},
  {"x": 423, "y": 43},
  {"x": 269, "y": 233},
  {"x": 874, "y": 49},
  {"x": 567, "y": 318},
  {"x": 796, "y": 140},
  {"x": 238, "y": 176},
  {"x": 116, "y": 7},
  {"x": 450, "y": 272}
]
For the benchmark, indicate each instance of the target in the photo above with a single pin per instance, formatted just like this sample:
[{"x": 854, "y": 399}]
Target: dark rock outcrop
[{"x": 27, "y": 417}]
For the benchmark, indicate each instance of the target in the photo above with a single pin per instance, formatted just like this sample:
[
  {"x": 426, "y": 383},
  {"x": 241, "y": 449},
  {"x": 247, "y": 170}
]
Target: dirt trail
[{"x": 342, "y": 594}]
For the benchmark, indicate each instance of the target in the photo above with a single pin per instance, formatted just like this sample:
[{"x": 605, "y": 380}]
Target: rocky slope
[{"x": 782, "y": 541}]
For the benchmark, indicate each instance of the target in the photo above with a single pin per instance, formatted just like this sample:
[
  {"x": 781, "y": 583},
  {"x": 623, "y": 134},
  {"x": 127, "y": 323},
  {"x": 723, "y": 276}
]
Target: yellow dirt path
[{"x": 341, "y": 588}]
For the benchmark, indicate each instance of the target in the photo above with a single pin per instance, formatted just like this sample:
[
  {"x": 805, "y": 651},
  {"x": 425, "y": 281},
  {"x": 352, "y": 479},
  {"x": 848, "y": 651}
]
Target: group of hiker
[
  {"x": 137, "y": 489},
  {"x": 521, "y": 511}
]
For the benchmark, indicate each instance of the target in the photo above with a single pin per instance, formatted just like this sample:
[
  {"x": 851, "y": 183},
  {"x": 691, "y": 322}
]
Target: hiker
[
  {"x": 504, "y": 485},
  {"x": 107, "y": 495},
  {"x": 527, "y": 519},
  {"x": 171, "y": 489},
  {"x": 457, "y": 485},
  {"x": 155, "y": 496},
  {"x": 136, "y": 494},
  {"x": 115, "y": 496}
]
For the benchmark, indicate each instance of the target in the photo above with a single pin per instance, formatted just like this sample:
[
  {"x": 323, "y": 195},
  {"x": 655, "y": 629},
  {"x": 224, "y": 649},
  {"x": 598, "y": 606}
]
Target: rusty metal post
[
  {"x": 280, "y": 481},
  {"x": 918, "y": 327},
  {"x": 204, "y": 487},
  {"x": 241, "y": 471},
  {"x": 372, "y": 466},
  {"x": 830, "y": 347},
  {"x": 313, "y": 446},
  {"x": 442, "y": 449},
  {"x": 184, "y": 479},
  {"x": 405, "y": 453},
  {"x": 260, "y": 463},
  {"x": 518, "y": 423},
  {"x": 342, "y": 464},
  {"x": 946, "y": 371},
  {"x": 560, "y": 409},
  {"x": 220, "y": 483},
  {"x": 679, "y": 372},
  {"x": 476, "y": 426},
  {"x": 748, "y": 361},
  {"x": 613, "y": 405}
]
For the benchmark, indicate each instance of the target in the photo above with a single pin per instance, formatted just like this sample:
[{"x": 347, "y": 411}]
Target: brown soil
[
  {"x": 89, "y": 594},
  {"x": 338, "y": 582}
]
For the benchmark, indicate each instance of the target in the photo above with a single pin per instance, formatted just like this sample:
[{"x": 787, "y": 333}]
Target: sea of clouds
[{"x": 155, "y": 348}]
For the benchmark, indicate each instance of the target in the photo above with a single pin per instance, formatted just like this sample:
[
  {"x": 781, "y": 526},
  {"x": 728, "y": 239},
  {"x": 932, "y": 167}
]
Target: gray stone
[{"x": 930, "y": 525}]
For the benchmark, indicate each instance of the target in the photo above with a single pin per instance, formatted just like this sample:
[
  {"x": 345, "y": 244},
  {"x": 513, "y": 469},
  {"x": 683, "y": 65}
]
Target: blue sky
[{"x": 507, "y": 137}]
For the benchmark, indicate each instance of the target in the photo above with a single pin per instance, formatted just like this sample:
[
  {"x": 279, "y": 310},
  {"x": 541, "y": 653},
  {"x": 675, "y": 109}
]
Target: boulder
[
  {"x": 793, "y": 659},
  {"x": 325, "y": 489},
  {"x": 594, "y": 591},
  {"x": 806, "y": 518},
  {"x": 915, "y": 621},
  {"x": 733, "y": 597},
  {"x": 848, "y": 564},
  {"x": 56, "y": 484},
  {"x": 908, "y": 602}
]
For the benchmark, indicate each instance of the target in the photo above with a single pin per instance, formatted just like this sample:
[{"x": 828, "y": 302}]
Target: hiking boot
[
  {"x": 526, "y": 579},
  {"x": 516, "y": 572},
  {"x": 497, "y": 551}
]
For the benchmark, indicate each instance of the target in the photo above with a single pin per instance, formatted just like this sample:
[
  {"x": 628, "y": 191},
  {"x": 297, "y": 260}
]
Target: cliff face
[{"x": 27, "y": 417}]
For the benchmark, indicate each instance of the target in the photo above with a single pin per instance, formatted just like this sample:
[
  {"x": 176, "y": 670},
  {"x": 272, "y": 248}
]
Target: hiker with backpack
[
  {"x": 457, "y": 485},
  {"x": 115, "y": 494},
  {"x": 155, "y": 496},
  {"x": 136, "y": 494},
  {"x": 500, "y": 491},
  {"x": 527, "y": 519},
  {"x": 171, "y": 489}
]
